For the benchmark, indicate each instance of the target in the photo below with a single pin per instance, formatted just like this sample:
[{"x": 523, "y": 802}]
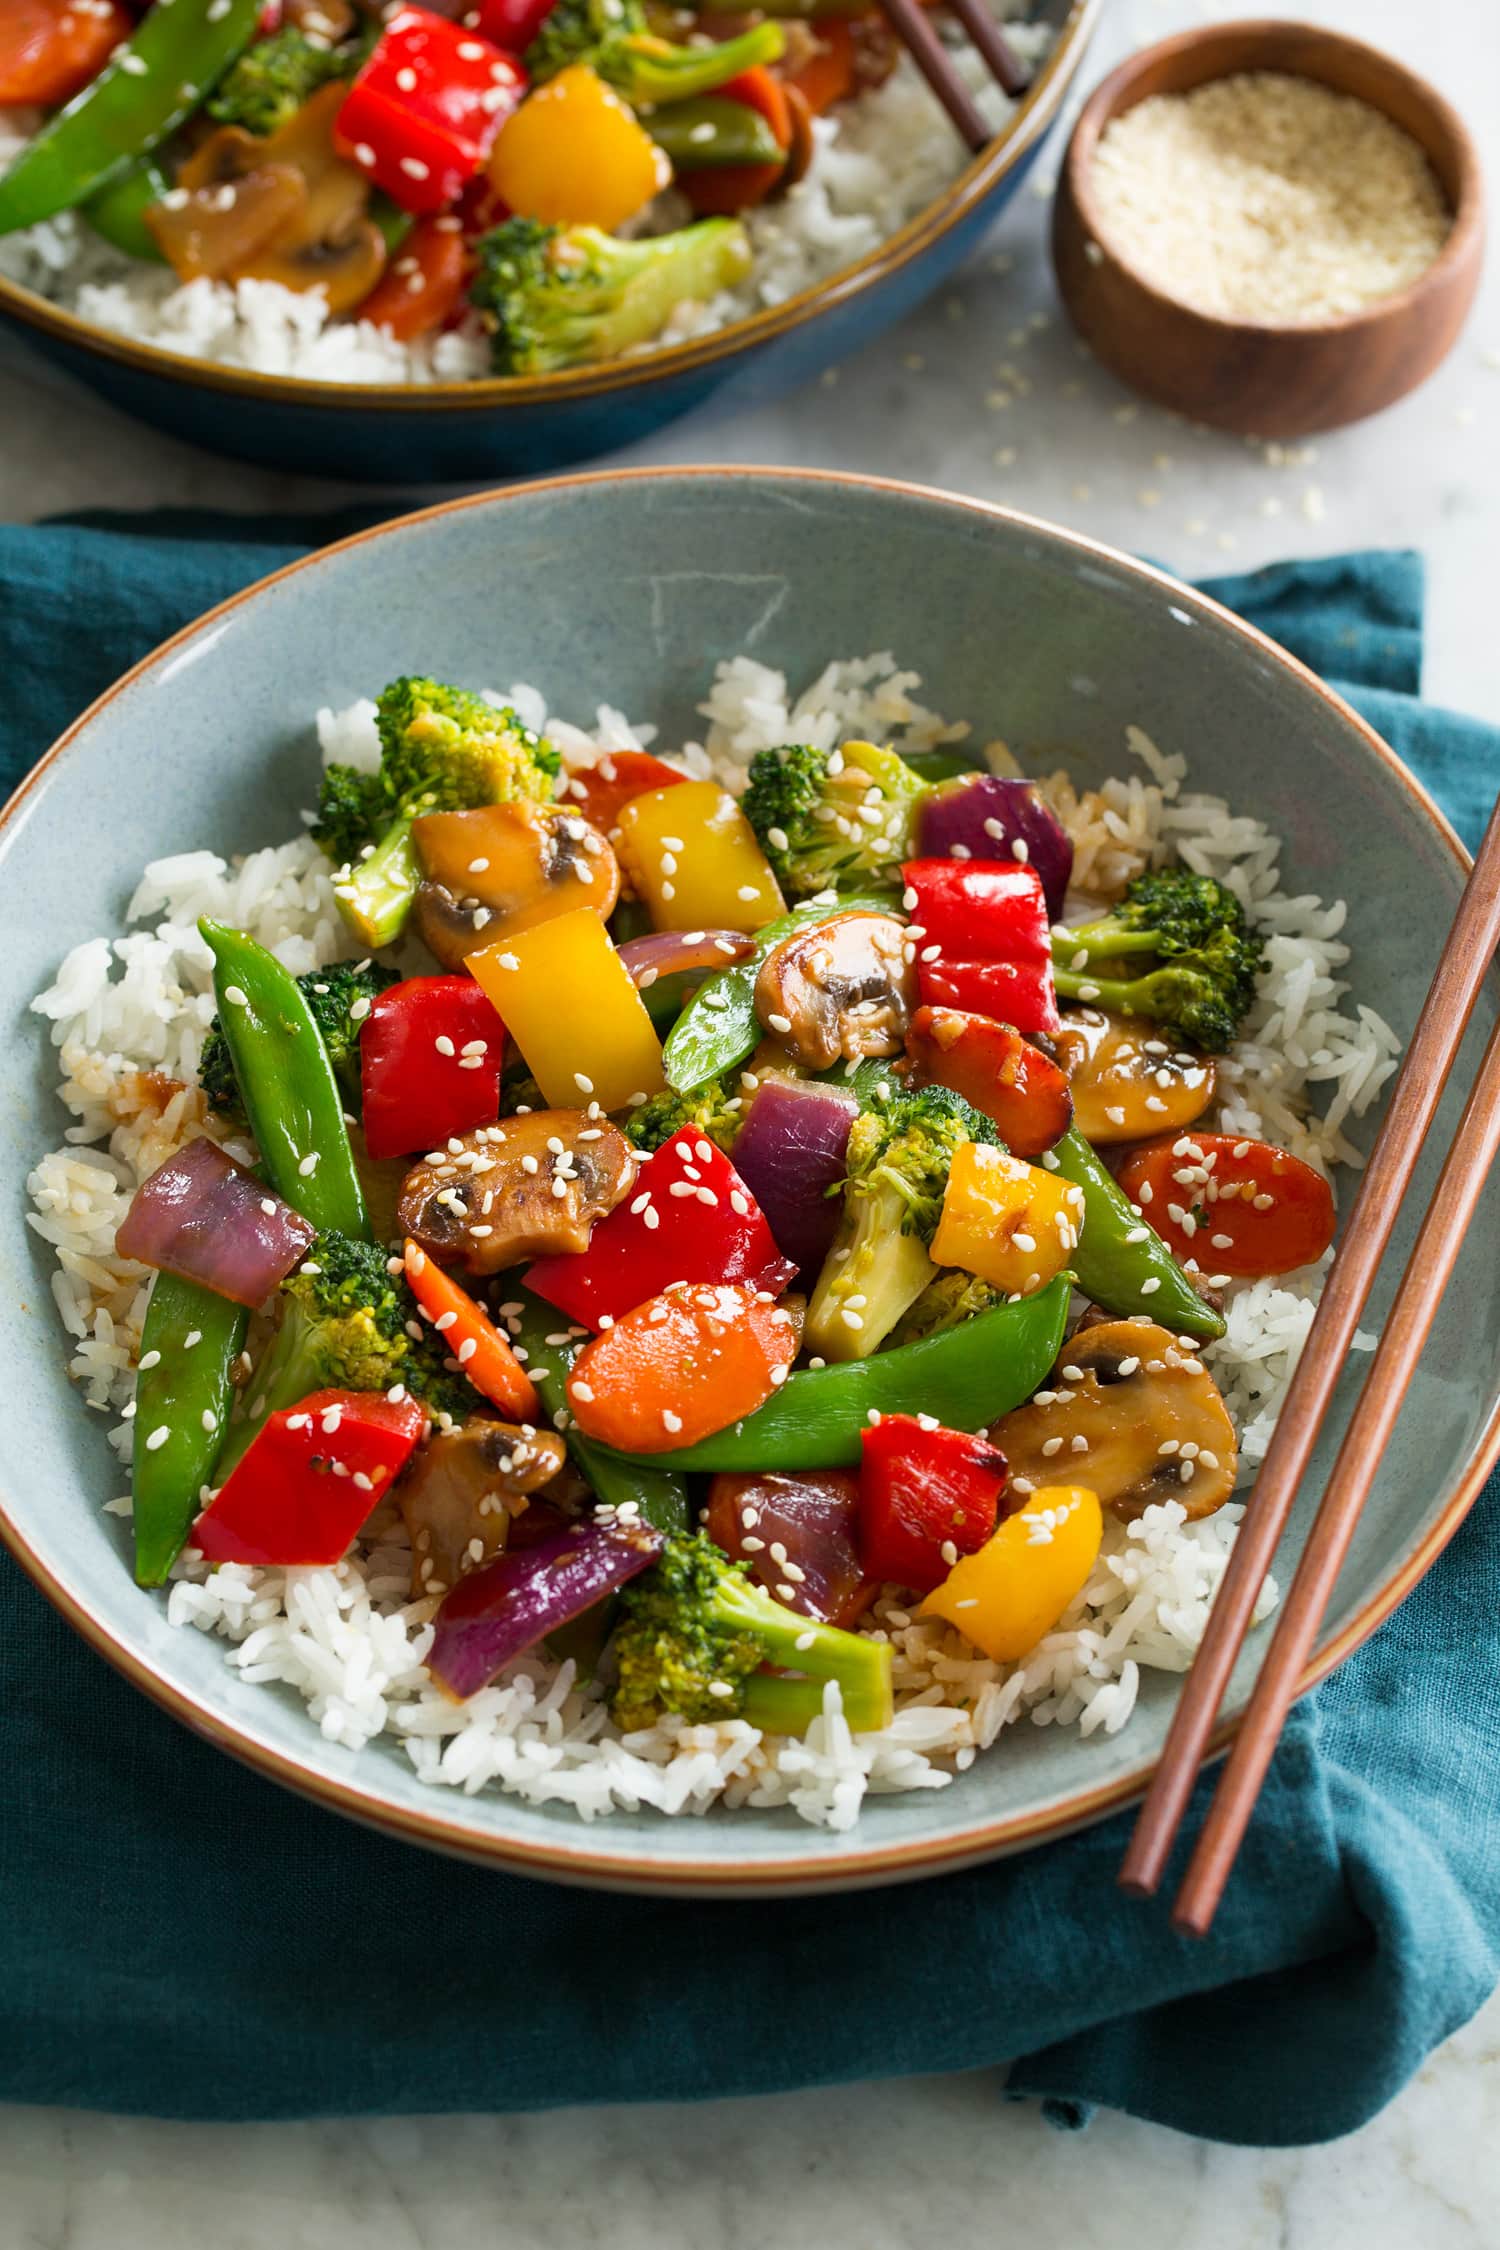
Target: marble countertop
[{"x": 985, "y": 391}]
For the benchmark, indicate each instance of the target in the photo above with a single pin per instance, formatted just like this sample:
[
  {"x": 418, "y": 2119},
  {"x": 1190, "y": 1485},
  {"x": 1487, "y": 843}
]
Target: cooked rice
[
  {"x": 128, "y": 1016},
  {"x": 877, "y": 163}
]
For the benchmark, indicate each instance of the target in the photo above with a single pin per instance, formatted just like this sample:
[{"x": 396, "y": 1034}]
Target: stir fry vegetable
[{"x": 183, "y": 1394}]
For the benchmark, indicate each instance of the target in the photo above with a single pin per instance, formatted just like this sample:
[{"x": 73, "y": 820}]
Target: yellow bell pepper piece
[
  {"x": 693, "y": 857},
  {"x": 575, "y": 154},
  {"x": 1005, "y": 1597},
  {"x": 566, "y": 998},
  {"x": 1007, "y": 1221}
]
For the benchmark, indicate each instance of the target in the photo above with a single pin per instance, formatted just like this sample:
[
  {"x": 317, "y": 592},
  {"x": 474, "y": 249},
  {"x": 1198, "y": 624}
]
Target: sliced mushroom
[
  {"x": 838, "y": 989},
  {"x": 503, "y": 868},
  {"x": 1125, "y": 1081},
  {"x": 463, "y": 1490},
  {"x": 490, "y": 1198},
  {"x": 211, "y": 231},
  {"x": 802, "y": 147},
  {"x": 1131, "y": 1413}
]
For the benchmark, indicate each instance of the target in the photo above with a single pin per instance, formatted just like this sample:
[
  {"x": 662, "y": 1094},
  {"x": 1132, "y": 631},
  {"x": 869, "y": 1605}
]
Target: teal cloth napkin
[{"x": 181, "y": 1938}]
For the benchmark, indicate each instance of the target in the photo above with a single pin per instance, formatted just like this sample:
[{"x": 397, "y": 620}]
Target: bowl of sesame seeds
[{"x": 1269, "y": 227}]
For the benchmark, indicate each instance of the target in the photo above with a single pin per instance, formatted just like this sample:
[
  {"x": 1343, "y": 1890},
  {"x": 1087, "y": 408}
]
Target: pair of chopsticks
[
  {"x": 914, "y": 30},
  {"x": 1465, "y": 961}
]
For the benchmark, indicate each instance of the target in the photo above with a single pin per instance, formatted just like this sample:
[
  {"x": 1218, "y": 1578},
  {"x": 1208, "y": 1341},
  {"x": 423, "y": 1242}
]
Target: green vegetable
[
  {"x": 660, "y": 1493},
  {"x": 345, "y": 1326},
  {"x": 695, "y": 1624},
  {"x": 554, "y": 297},
  {"x": 150, "y": 84},
  {"x": 189, "y": 1344},
  {"x": 900, "y": 1153},
  {"x": 833, "y": 818},
  {"x": 1203, "y": 957},
  {"x": 286, "y": 1082},
  {"x": 442, "y": 749},
  {"x": 947, "y": 762},
  {"x": 712, "y": 130},
  {"x": 272, "y": 80},
  {"x": 968, "y": 1377},
  {"x": 719, "y": 1027},
  {"x": 1119, "y": 1272},
  {"x": 952, "y": 1297},
  {"x": 716, "y": 1109},
  {"x": 611, "y": 36},
  {"x": 117, "y": 213},
  {"x": 339, "y": 999}
]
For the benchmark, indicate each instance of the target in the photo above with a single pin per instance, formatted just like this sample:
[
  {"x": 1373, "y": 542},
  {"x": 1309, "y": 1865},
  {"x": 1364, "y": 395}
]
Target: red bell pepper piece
[
  {"x": 309, "y": 1479},
  {"x": 600, "y": 790},
  {"x": 997, "y": 1070},
  {"x": 512, "y": 24},
  {"x": 987, "y": 920},
  {"x": 421, "y": 117},
  {"x": 923, "y": 1489},
  {"x": 430, "y": 1054},
  {"x": 692, "y": 1218},
  {"x": 424, "y": 286}
]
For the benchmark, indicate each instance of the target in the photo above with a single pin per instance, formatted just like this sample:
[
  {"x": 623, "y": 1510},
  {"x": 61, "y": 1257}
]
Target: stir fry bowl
[
  {"x": 434, "y": 432},
  {"x": 624, "y": 588}
]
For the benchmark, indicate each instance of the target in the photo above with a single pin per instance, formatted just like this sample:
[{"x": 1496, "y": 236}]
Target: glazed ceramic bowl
[
  {"x": 625, "y": 589},
  {"x": 440, "y": 432}
]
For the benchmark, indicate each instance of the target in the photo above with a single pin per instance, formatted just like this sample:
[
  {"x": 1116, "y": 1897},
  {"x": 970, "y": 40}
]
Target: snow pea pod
[
  {"x": 968, "y": 1377},
  {"x": 118, "y": 212},
  {"x": 146, "y": 89},
  {"x": 1122, "y": 1263},
  {"x": 659, "y": 1493},
  {"x": 719, "y": 1027},
  {"x": 710, "y": 130},
  {"x": 287, "y": 1084},
  {"x": 189, "y": 1344}
]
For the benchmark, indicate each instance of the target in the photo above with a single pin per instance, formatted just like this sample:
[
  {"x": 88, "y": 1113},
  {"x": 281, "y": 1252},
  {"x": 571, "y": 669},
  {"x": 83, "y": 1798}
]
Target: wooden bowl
[{"x": 1257, "y": 379}]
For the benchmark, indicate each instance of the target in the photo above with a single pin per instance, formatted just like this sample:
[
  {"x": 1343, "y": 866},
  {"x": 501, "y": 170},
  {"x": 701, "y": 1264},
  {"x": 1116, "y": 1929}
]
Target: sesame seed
[
  {"x": 783, "y": 1024},
  {"x": 158, "y": 1439},
  {"x": 234, "y": 994},
  {"x": 308, "y": 1165},
  {"x": 1150, "y": 1286},
  {"x": 671, "y": 1421}
]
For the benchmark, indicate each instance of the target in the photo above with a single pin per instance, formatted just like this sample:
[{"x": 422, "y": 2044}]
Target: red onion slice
[
  {"x": 202, "y": 1216},
  {"x": 670, "y": 953},
  {"x": 989, "y": 814},
  {"x": 497, "y": 1613},
  {"x": 790, "y": 1151}
]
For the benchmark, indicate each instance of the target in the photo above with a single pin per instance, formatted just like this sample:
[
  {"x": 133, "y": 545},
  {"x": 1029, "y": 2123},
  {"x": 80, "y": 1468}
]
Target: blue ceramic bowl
[
  {"x": 447, "y": 432},
  {"x": 625, "y": 588}
]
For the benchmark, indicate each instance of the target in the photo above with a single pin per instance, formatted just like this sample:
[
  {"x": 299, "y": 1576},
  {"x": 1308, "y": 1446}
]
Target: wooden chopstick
[
  {"x": 1465, "y": 961},
  {"x": 914, "y": 29},
  {"x": 1453, "y": 1203}
]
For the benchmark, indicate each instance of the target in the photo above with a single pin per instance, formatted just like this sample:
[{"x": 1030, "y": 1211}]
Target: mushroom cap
[
  {"x": 490, "y": 1198},
  {"x": 497, "y": 869},
  {"x": 1126, "y": 1082},
  {"x": 463, "y": 1487},
  {"x": 839, "y": 989}
]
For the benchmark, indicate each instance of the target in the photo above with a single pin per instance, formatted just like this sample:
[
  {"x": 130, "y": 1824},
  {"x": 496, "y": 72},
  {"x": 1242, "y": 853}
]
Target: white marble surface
[{"x": 881, "y": 2166}]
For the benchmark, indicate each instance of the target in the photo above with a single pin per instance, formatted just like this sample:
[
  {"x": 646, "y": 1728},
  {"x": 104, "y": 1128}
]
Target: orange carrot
[
  {"x": 721, "y": 190},
  {"x": 424, "y": 283},
  {"x": 684, "y": 1364},
  {"x": 473, "y": 1339},
  {"x": 828, "y": 74}
]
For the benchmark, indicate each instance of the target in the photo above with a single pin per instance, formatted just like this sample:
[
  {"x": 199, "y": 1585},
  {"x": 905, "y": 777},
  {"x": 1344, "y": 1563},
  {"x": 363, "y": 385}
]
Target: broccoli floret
[
  {"x": 695, "y": 1623},
  {"x": 272, "y": 80},
  {"x": 441, "y": 750},
  {"x": 899, "y": 1159},
  {"x": 953, "y": 1297},
  {"x": 339, "y": 998},
  {"x": 713, "y": 1108},
  {"x": 612, "y": 37},
  {"x": 833, "y": 819},
  {"x": 345, "y": 1326},
  {"x": 556, "y": 297},
  {"x": 1206, "y": 957}
]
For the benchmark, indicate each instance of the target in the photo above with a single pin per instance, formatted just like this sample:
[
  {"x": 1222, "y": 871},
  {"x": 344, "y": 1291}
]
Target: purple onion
[
  {"x": 956, "y": 813},
  {"x": 791, "y": 1150},
  {"x": 202, "y": 1216},
  {"x": 497, "y": 1613},
  {"x": 670, "y": 953}
]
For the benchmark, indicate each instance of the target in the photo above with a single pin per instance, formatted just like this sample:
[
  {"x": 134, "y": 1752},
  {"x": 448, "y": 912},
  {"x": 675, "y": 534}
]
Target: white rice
[
  {"x": 878, "y": 161},
  {"x": 349, "y": 1641}
]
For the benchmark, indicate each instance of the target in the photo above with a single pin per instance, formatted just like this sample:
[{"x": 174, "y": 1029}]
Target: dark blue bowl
[{"x": 406, "y": 432}]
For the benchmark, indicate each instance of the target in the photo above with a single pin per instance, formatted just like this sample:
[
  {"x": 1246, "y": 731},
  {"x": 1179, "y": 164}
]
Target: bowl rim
[
  {"x": 576, "y": 1857},
  {"x": 1103, "y": 106},
  {"x": 1035, "y": 113}
]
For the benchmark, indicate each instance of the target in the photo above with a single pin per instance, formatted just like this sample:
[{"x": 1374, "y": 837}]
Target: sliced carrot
[
  {"x": 721, "y": 190},
  {"x": 828, "y": 75},
  {"x": 682, "y": 1365},
  {"x": 419, "y": 290},
  {"x": 50, "y": 49},
  {"x": 1238, "y": 1206},
  {"x": 473, "y": 1339},
  {"x": 599, "y": 791}
]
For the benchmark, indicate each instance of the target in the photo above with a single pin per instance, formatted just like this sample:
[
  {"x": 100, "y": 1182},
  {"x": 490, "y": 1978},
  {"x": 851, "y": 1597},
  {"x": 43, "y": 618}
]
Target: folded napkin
[{"x": 181, "y": 1938}]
